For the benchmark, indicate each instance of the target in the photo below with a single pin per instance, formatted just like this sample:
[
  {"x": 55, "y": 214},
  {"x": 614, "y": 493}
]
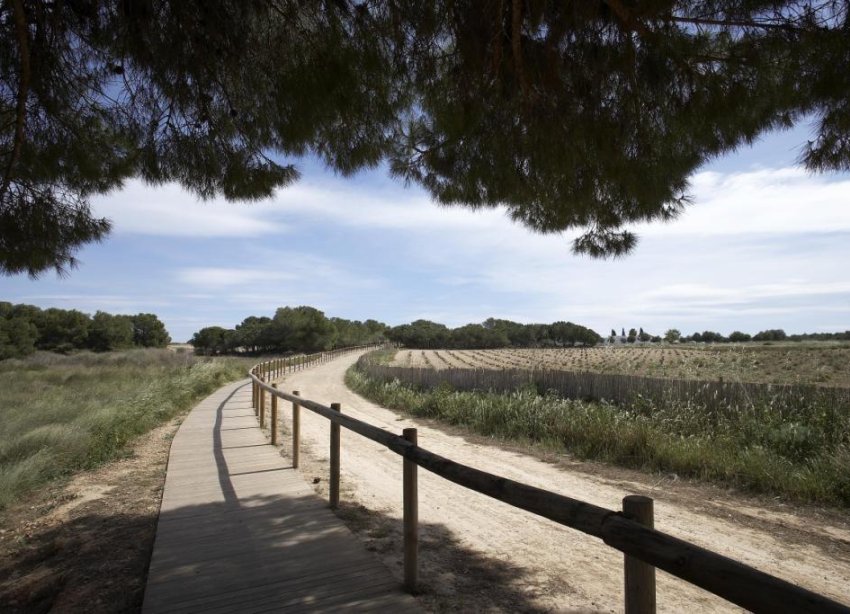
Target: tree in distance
[
  {"x": 109, "y": 332},
  {"x": 292, "y": 329},
  {"x": 589, "y": 115},
  {"x": 774, "y": 334},
  {"x": 26, "y": 328},
  {"x": 738, "y": 337},
  {"x": 672, "y": 336},
  {"x": 149, "y": 331},
  {"x": 17, "y": 337}
]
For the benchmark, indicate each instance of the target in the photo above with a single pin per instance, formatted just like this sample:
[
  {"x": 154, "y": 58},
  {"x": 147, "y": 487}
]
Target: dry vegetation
[
  {"x": 60, "y": 414},
  {"x": 598, "y": 403},
  {"x": 84, "y": 442},
  {"x": 798, "y": 363}
]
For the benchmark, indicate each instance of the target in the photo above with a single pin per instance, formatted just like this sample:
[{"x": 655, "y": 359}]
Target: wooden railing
[{"x": 629, "y": 530}]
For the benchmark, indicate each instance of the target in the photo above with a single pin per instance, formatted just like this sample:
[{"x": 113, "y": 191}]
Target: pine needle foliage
[{"x": 589, "y": 115}]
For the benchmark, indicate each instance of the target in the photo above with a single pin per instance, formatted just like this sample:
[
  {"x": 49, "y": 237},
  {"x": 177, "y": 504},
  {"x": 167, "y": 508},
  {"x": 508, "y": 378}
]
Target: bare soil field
[
  {"x": 480, "y": 554},
  {"x": 809, "y": 363}
]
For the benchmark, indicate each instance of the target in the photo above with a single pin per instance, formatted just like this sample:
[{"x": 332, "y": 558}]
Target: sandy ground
[
  {"x": 478, "y": 553},
  {"x": 84, "y": 544}
]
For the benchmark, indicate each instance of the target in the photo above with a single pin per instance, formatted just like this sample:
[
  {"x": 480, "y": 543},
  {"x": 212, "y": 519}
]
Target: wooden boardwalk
[{"x": 241, "y": 531}]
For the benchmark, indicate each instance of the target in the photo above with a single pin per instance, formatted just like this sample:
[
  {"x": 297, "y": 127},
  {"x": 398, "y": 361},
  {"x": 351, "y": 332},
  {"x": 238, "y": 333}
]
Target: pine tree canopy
[{"x": 588, "y": 115}]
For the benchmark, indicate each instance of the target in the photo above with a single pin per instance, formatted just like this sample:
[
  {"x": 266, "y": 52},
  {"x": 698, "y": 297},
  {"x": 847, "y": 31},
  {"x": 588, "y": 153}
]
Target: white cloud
[
  {"x": 753, "y": 202},
  {"x": 171, "y": 211},
  {"x": 402, "y": 209},
  {"x": 220, "y": 278},
  {"x": 704, "y": 294},
  {"x": 781, "y": 200},
  {"x": 761, "y": 249},
  {"x": 288, "y": 278}
]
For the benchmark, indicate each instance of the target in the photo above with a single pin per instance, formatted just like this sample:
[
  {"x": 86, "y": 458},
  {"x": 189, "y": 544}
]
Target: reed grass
[
  {"x": 804, "y": 457},
  {"x": 60, "y": 414}
]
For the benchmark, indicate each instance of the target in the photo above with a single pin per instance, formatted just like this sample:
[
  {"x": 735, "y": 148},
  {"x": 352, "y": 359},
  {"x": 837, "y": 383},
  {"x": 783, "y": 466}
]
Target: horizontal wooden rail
[{"x": 730, "y": 579}]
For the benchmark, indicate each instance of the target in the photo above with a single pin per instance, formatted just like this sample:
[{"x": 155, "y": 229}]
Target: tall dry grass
[
  {"x": 59, "y": 414},
  {"x": 803, "y": 456}
]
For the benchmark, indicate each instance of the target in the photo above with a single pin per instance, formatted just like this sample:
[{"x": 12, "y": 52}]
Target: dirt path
[{"x": 478, "y": 553}]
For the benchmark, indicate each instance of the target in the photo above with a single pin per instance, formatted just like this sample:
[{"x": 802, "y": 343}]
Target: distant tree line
[
  {"x": 292, "y": 329},
  {"x": 27, "y": 328},
  {"x": 635, "y": 335},
  {"x": 773, "y": 334},
  {"x": 845, "y": 336},
  {"x": 306, "y": 329},
  {"x": 493, "y": 333}
]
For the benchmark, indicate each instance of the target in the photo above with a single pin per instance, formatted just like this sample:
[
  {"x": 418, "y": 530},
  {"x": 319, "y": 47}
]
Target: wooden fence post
[
  {"x": 256, "y": 394},
  {"x": 411, "y": 518},
  {"x": 273, "y": 421},
  {"x": 254, "y": 403},
  {"x": 262, "y": 407},
  {"x": 334, "y": 487},
  {"x": 639, "y": 576},
  {"x": 296, "y": 431}
]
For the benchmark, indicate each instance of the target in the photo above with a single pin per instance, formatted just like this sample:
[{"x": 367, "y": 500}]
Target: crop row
[{"x": 806, "y": 364}]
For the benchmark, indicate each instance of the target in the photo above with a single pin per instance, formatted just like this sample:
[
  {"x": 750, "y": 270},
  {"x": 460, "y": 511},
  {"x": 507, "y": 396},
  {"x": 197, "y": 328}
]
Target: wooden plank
[
  {"x": 223, "y": 602},
  {"x": 241, "y": 531}
]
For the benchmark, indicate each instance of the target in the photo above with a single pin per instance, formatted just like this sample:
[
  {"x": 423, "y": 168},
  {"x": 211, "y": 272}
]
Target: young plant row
[{"x": 826, "y": 364}]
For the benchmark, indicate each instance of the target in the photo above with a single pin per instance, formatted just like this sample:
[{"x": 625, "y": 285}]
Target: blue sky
[{"x": 764, "y": 246}]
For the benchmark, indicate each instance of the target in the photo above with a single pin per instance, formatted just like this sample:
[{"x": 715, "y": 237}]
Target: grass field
[
  {"x": 804, "y": 455},
  {"x": 823, "y": 363},
  {"x": 59, "y": 413}
]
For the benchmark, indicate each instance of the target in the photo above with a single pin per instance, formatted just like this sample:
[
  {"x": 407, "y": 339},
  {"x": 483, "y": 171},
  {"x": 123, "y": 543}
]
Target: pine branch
[
  {"x": 626, "y": 17},
  {"x": 23, "y": 92},
  {"x": 516, "y": 44},
  {"x": 734, "y": 23},
  {"x": 498, "y": 37}
]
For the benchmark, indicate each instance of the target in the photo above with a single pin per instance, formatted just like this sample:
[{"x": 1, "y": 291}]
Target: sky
[{"x": 765, "y": 245}]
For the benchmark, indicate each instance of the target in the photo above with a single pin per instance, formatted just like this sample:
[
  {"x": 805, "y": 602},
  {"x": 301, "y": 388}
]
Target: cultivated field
[{"x": 810, "y": 363}]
